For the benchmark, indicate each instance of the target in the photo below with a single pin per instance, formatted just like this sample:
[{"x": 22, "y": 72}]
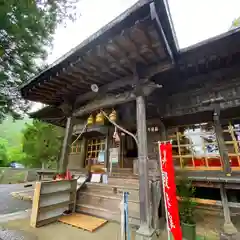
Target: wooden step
[
  {"x": 114, "y": 189},
  {"x": 108, "y": 202},
  {"x": 123, "y": 186},
  {"x": 123, "y": 175},
  {"x": 104, "y": 213},
  {"x": 122, "y": 170},
  {"x": 123, "y": 181},
  {"x": 110, "y": 192}
]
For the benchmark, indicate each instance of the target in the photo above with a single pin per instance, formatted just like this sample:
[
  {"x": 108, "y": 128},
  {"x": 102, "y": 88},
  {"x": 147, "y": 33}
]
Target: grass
[{"x": 12, "y": 176}]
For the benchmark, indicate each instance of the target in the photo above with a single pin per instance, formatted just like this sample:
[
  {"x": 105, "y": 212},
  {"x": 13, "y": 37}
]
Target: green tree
[
  {"x": 26, "y": 33},
  {"x": 3, "y": 153},
  {"x": 41, "y": 144},
  {"x": 15, "y": 154},
  {"x": 235, "y": 23}
]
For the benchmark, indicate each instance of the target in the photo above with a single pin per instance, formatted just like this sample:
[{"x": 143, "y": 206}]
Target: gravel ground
[{"x": 7, "y": 203}]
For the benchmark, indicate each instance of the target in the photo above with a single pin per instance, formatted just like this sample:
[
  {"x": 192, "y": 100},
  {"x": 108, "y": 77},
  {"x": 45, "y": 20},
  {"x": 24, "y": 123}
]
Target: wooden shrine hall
[{"x": 133, "y": 71}]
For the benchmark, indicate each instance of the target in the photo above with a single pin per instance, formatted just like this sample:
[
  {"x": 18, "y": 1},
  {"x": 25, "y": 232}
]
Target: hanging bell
[
  {"x": 113, "y": 116},
  {"x": 100, "y": 118},
  {"x": 90, "y": 120}
]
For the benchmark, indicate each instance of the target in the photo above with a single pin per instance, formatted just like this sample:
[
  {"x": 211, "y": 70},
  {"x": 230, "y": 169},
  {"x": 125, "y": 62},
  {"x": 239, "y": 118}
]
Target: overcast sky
[{"x": 194, "y": 21}]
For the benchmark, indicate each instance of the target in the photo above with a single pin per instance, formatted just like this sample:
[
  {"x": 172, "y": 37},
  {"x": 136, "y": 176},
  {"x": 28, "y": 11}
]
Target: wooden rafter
[
  {"x": 126, "y": 35},
  {"x": 103, "y": 53},
  {"x": 100, "y": 66},
  {"x": 141, "y": 29},
  {"x": 119, "y": 50}
]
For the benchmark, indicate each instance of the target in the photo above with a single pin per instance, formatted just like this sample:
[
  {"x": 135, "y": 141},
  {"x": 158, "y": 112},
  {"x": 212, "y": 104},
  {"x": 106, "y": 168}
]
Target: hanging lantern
[
  {"x": 99, "y": 118},
  {"x": 113, "y": 116},
  {"x": 90, "y": 120}
]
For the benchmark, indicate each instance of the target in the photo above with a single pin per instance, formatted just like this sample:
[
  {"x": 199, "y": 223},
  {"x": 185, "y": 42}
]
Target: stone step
[
  {"x": 111, "y": 203},
  {"x": 104, "y": 213}
]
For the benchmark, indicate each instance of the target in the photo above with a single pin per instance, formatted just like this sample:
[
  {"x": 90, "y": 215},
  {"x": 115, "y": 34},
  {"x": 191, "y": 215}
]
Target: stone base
[
  {"x": 229, "y": 228},
  {"x": 224, "y": 236},
  {"x": 229, "y": 232},
  {"x": 145, "y": 233}
]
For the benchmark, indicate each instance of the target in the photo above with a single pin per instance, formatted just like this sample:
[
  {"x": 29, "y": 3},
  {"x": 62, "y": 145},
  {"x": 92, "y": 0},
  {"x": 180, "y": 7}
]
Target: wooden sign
[{"x": 114, "y": 155}]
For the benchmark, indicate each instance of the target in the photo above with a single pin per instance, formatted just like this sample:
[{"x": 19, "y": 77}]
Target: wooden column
[
  {"x": 228, "y": 226},
  {"x": 66, "y": 145},
  {"x": 145, "y": 231},
  {"x": 220, "y": 140},
  {"x": 144, "y": 192},
  {"x": 83, "y": 152},
  {"x": 163, "y": 131},
  {"x": 164, "y": 137}
]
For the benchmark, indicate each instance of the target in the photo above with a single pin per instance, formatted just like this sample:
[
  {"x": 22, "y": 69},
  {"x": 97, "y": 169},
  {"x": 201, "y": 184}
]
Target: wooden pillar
[
  {"x": 145, "y": 231},
  {"x": 144, "y": 192},
  {"x": 66, "y": 145},
  {"x": 228, "y": 226},
  {"x": 83, "y": 152},
  {"x": 220, "y": 140},
  {"x": 163, "y": 131},
  {"x": 164, "y": 137}
]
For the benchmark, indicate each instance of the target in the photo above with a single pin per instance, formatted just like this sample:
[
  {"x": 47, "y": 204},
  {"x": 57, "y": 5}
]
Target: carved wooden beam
[
  {"x": 126, "y": 81},
  {"x": 111, "y": 100}
]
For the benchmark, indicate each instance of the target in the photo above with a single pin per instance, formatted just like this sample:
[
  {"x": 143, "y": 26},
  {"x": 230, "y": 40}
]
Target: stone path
[
  {"x": 7, "y": 203},
  {"x": 6, "y": 234}
]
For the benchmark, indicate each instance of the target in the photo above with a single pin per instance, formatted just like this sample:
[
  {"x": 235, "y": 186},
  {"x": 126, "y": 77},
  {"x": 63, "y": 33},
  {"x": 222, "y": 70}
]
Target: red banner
[{"x": 169, "y": 188}]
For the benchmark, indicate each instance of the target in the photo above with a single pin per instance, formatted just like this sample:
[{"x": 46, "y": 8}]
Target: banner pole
[
  {"x": 122, "y": 218},
  {"x": 164, "y": 194}
]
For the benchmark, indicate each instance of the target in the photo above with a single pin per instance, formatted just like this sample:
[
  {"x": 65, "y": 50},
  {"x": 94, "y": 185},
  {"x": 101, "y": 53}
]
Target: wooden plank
[
  {"x": 35, "y": 204},
  {"x": 106, "y": 214},
  {"x": 85, "y": 222},
  {"x": 49, "y": 207}
]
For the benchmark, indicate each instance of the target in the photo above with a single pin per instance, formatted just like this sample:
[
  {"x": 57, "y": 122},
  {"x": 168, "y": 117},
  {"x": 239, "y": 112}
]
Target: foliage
[
  {"x": 11, "y": 130},
  {"x": 41, "y": 143},
  {"x": 3, "y": 153},
  {"x": 15, "y": 154},
  {"x": 186, "y": 205},
  {"x": 26, "y": 33},
  {"x": 235, "y": 23}
]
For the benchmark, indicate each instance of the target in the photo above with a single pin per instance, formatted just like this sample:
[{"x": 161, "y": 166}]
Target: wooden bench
[{"x": 42, "y": 173}]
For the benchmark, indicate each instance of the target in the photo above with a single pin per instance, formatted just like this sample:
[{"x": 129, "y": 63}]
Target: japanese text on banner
[{"x": 169, "y": 188}]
